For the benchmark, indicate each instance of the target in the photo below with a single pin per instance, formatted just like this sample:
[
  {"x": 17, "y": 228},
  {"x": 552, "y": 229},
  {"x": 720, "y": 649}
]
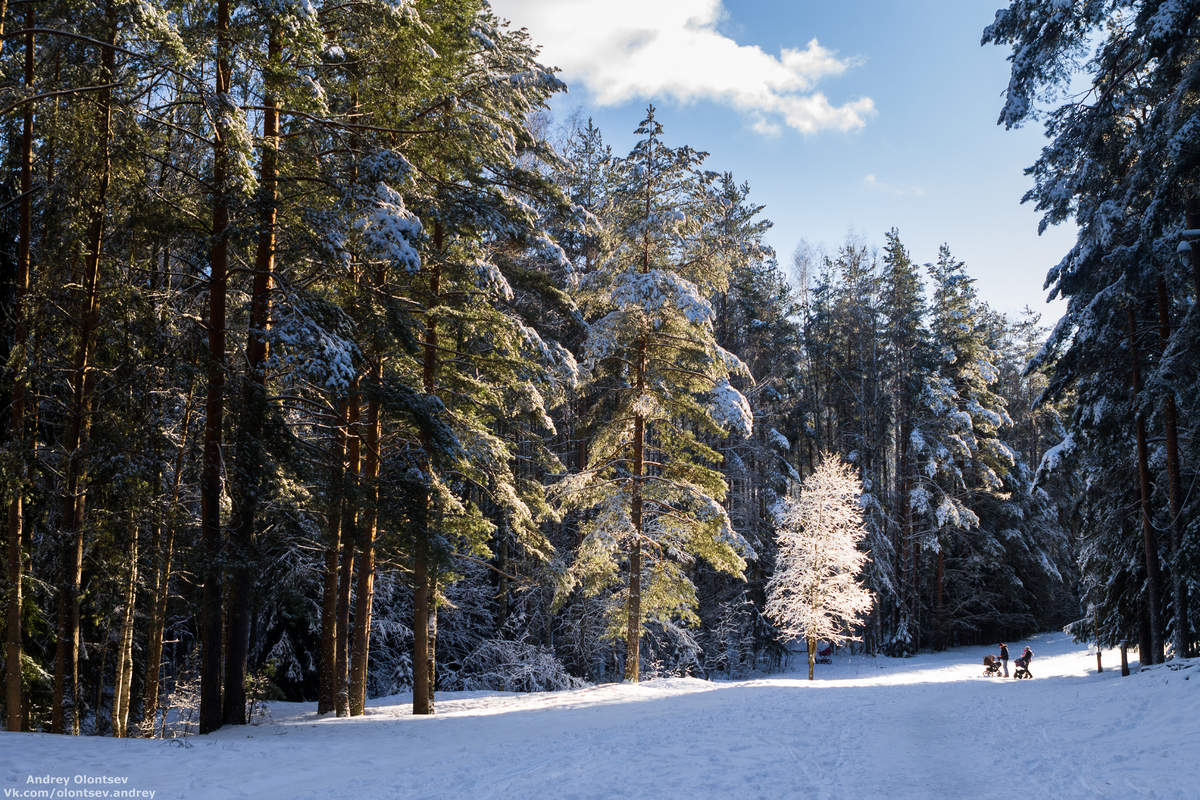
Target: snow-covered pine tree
[
  {"x": 651, "y": 486},
  {"x": 473, "y": 191},
  {"x": 289, "y": 34},
  {"x": 1121, "y": 162},
  {"x": 815, "y": 592},
  {"x": 959, "y": 448},
  {"x": 906, "y": 353},
  {"x": 752, "y": 320}
]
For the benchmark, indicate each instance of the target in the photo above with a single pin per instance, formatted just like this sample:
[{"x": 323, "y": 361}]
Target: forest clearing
[{"x": 867, "y": 727}]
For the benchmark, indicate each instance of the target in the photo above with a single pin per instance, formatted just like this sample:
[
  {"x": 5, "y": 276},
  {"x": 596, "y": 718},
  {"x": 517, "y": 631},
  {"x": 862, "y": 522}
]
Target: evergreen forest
[{"x": 335, "y": 366}]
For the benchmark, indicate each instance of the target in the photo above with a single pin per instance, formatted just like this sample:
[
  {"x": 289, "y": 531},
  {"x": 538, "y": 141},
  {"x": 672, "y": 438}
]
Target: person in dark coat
[
  {"x": 1025, "y": 660},
  {"x": 1004, "y": 657}
]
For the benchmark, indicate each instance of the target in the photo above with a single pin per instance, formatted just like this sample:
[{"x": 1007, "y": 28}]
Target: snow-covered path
[{"x": 929, "y": 726}]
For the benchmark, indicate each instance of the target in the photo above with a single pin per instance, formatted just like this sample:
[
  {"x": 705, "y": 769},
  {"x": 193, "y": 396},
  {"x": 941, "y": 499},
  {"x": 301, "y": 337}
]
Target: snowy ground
[{"x": 928, "y": 726}]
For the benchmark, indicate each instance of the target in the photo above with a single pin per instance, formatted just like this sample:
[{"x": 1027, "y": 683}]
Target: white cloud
[
  {"x": 626, "y": 49},
  {"x": 873, "y": 182}
]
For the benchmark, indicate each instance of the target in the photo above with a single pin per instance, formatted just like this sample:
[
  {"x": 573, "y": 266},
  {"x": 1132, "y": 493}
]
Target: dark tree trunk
[
  {"x": 210, "y": 475},
  {"x": 123, "y": 679},
  {"x": 333, "y": 536},
  {"x": 915, "y": 586},
  {"x": 904, "y": 529},
  {"x": 1145, "y": 645},
  {"x": 14, "y": 701},
  {"x": 365, "y": 588},
  {"x": 74, "y": 495},
  {"x": 248, "y": 450},
  {"x": 633, "y": 632},
  {"x": 939, "y": 604},
  {"x": 423, "y": 622},
  {"x": 1182, "y": 628},
  {"x": 341, "y": 694},
  {"x": 1149, "y": 540},
  {"x": 162, "y": 551},
  {"x": 424, "y": 571},
  {"x": 633, "y": 611}
]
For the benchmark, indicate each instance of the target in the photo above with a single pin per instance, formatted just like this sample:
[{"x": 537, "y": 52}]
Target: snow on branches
[
  {"x": 815, "y": 592},
  {"x": 730, "y": 409}
]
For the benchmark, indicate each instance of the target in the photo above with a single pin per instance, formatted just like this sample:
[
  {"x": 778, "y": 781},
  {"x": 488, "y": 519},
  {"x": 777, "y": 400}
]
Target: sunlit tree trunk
[
  {"x": 123, "y": 678},
  {"x": 333, "y": 536},
  {"x": 365, "y": 587},
  {"x": 162, "y": 551},
  {"x": 341, "y": 695}
]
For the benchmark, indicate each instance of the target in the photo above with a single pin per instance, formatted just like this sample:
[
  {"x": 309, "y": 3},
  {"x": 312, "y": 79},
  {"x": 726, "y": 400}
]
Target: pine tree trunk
[
  {"x": 13, "y": 694},
  {"x": 901, "y": 503},
  {"x": 1182, "y": 628},
  {"x": 940, "y": 605},
  {"x": 432, "y": 629},
  {"x": 74, "y": 496},
  {"x": 329, "y": 596},
  {"x": 633, "y": 633},
  {"x": 124, "y": 672},
  {"x": 1145, "y": 645},
  {"x": 365, "y": 587},
  {"x": 248, "y": 450},
  {"x": 210, "y": 476},
  {"x": 1149, "y": 541},
  {"x": 424, "y": 572},
  {"x": 341, "y": 695},
  {"x": 633, "y": 625},
  {"x": 99, "y": 702},
  {"x": 162, "y": 551},
  {"x": 915, "y": 586},
  {"x": 422, "y": 691},
  {"x": 502, "y": 588}
]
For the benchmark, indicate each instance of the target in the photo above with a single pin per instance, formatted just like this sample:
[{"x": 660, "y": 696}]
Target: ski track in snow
[{"x": 928, "y": 726}]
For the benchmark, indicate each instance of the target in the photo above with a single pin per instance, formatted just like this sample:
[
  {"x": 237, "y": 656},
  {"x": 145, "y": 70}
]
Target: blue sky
[{"x": 887, "y": 118}]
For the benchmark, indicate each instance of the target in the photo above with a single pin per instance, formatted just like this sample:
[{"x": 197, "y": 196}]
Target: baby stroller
[
  {"x": 1022, "y": 670},
  {"x": 991, "y": 667}
]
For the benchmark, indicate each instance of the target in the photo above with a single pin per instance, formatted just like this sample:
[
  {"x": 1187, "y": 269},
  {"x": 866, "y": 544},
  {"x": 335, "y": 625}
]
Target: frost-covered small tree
[{"x": 815, "y": 592}]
